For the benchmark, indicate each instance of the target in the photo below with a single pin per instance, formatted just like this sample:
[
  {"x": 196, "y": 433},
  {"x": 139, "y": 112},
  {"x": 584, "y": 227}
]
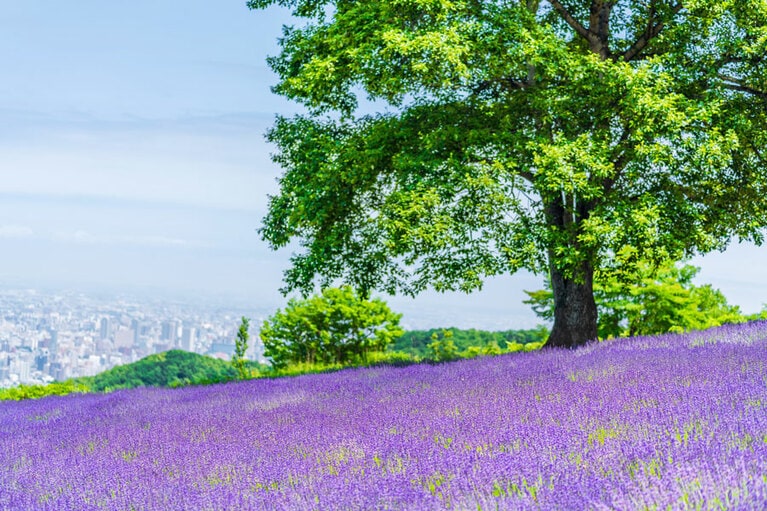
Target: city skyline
[
  {"x": 132, "y": 157},
  {"x": 56, "y": 336}
]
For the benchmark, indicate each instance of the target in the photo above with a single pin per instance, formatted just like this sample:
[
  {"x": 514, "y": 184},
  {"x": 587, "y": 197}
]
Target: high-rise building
[
  {"x": 41, "y": 360},
  {"x": 57, "y": 370},
  {"x": 53, "y": 344},
  {"x": 106, "y": 330},
  {"x": 136, "y": 327},
  {"x": 22, "y": 366},
  {"x": 169, "y": 331},
  {"x": 188, "y": 338}
]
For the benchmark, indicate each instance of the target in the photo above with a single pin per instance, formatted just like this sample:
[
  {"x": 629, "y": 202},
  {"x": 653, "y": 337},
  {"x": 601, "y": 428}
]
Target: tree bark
[{"x": 575, "y": 312}]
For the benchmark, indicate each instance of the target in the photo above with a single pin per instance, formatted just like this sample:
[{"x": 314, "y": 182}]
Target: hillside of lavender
[{"x": 649, "y": 423}]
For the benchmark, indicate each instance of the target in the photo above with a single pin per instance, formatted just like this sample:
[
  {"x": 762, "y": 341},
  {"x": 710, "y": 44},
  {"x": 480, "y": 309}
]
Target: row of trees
[
  {"x": 573, "y": 138},
  {"x": 653, "y": 300},
  {"x": 420, "y": 343}
]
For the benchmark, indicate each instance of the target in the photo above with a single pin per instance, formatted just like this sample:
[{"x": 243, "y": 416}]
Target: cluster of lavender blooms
[{"x": 651, "y": 423}]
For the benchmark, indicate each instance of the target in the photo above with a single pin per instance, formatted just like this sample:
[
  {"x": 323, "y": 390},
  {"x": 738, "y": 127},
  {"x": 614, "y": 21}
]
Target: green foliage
[
  {"x": 530, "y": 346},
  {"x": 168, "y": 369},
  {"x": 442, "y": 347},
  {"x": 391, "y": 358},
  {"x": 38, "y": 391},
  {"x": 375, "y": 358},
  {"x": 240, "y": 347},
  {"x": 299, "y": 368},
  {"x": 556, "y": 138},
  {"x": 338, "y": 326},
  {"x": 759, "y": 316},
  {"x": 651, "y": 301}
]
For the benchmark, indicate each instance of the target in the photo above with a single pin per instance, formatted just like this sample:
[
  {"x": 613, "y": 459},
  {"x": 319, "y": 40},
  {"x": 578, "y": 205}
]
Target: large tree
[{"x": 568, "y": 137}]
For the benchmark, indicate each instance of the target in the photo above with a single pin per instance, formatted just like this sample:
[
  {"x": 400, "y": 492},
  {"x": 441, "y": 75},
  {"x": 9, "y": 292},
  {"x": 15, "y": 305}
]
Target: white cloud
[{"x": 16, "y": 231}]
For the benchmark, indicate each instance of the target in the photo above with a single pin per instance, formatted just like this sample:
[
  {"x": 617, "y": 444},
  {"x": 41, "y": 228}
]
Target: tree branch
[
  {"x": 599, "y": 19},
  {"x": 619, "y": 162},
  {"x": 599, "y": 27},
  {"x": 749, "y": 90},
  {"x": 509, "y": 83},
  {"x": 652, "y": 31},
  {"x": 526, "y": 175},
  {"x": 580, "y": 29},
  {"x": 737, "y": 84}
]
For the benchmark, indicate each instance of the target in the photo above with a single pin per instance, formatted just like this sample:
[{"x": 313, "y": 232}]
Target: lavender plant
[{"x": 665, "y": 422}]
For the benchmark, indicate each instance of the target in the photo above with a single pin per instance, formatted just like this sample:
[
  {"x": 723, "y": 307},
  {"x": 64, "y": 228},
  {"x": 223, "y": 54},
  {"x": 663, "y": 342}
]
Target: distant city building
[
  {"x": 188, "y": 339},
  {"x": 169, "y": 331},
  {"x": 22, "y": 366},
  {"x": 136, "y": 327},
  {"x": 53, "y": 344},
  {"x": 218, "y": 348},
  {"x": 104, "y": 346},
  {"x": 31, "y": 342},
  {"x": 41, "y": 360},
  {"x": 123, "y": 338},
  {"x": 105, "y": 331},
  {"x": 57, "y": 371},
  {"x": 47, "y": 337}
]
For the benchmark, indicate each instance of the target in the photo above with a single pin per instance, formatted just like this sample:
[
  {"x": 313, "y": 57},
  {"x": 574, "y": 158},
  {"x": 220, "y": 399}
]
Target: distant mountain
[{"x": 168, "y": 369}]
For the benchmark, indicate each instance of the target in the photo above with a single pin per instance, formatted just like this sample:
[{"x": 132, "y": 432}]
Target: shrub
[{"x": 338, "y": 326}]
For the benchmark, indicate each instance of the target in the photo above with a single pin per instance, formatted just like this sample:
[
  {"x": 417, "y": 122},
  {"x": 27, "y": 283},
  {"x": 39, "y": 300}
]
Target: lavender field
[{"x": 655, "y": 423}]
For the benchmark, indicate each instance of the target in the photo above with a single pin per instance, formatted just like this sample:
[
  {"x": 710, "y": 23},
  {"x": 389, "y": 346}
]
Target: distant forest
[{"x": 415, "y": 342}]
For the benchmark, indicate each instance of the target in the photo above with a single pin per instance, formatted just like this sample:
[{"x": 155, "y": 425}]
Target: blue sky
[{"x": 132, "y": 157}]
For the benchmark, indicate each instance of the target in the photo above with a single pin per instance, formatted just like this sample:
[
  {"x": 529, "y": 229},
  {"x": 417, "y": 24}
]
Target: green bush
[
  {"x": 442, "y": 348},
  {"x": 339, "y": 326},
  {"x": 38, "y": 391},
  {"x": 391, "y": 358}
]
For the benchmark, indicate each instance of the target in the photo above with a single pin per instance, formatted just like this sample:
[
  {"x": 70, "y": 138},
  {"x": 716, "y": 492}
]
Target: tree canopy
[
  {"x": 337, "y": 326},
  {"x": 574, "y": 138}
]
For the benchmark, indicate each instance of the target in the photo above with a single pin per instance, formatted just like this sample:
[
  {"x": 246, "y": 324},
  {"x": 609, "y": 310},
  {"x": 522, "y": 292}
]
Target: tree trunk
[{"x": 575, "y": 312}]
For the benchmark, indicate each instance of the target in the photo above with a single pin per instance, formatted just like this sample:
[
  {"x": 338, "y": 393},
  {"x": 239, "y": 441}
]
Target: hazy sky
[{"x": 132, "y": 157}]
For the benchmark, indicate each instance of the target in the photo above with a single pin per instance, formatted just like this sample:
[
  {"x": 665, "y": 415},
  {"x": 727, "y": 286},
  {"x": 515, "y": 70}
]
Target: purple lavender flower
[{"x": 665, "y": 422}]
